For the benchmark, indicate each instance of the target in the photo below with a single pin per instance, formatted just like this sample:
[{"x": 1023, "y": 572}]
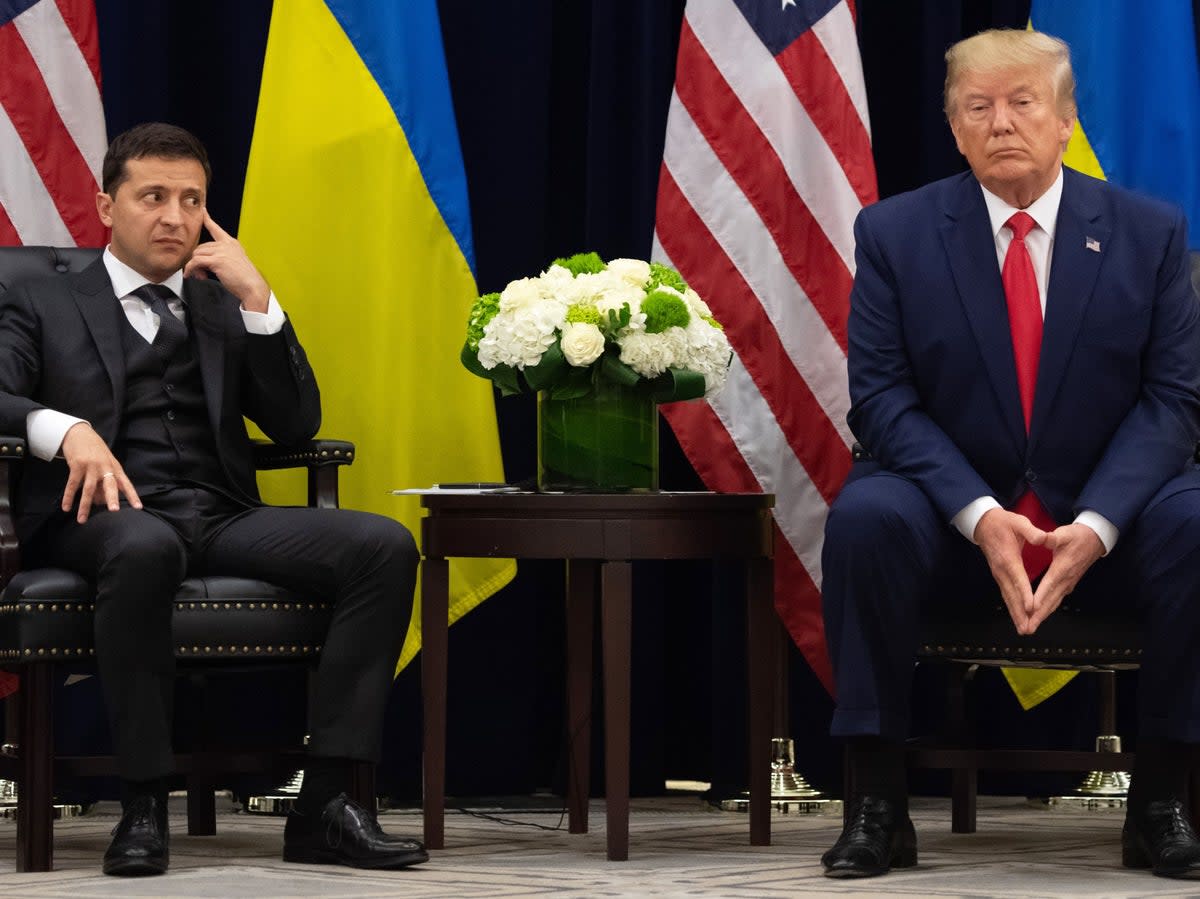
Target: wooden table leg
[
  {"x": 761, "y": 638},
  {"x": 582, "y": 576},
  {"x": 435, "y": 603},
  {"x": 616, "y": 602}
]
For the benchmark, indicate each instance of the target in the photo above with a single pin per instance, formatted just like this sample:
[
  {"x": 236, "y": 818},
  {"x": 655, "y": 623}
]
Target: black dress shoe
[
  {"x": 1160, "y": 837},
  {"x": 139, "y": 843},
  {"x": 345, "y": 833},
  {"x": 878, "y": 836}
]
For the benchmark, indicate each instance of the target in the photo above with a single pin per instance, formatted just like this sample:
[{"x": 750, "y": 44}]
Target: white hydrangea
[
  {"x": 708, "y": 353},
  {"x": 520, "y": 337},
  {"x": 649, "y": 354}
]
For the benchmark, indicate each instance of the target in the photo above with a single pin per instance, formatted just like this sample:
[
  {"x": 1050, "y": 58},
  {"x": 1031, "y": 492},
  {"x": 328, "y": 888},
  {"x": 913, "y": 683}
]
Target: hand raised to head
[{"x": 224, "y": 257}]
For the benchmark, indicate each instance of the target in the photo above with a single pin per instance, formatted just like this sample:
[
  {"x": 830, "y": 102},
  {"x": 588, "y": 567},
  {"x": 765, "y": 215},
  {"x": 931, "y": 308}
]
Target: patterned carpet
[{"x": 679, "y": 847}]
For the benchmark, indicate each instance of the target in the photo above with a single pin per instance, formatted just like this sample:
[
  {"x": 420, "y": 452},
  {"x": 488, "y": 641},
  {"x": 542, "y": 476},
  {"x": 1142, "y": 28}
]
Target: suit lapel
[
  {"x": 1079, "y": 238},
  {"x": 204, "y": 317},
  {"x": 93, "y": 295},
  {"x": 971, "y": 251}
]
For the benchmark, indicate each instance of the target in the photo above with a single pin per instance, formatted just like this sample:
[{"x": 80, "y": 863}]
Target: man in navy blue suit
[{"x": 1024, "y": 355}]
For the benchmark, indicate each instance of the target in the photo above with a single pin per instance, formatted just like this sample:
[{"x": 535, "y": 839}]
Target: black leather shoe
[
  {"x": 345, "y": 833},
  {"x": 140, "y": 838},
  {"x": 878, "y": 836},
  {"x": 1161, "y": 837}
]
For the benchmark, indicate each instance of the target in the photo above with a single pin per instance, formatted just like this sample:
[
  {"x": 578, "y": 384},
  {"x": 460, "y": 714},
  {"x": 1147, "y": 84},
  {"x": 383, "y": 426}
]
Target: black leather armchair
[{"x": 46, "y": 627}]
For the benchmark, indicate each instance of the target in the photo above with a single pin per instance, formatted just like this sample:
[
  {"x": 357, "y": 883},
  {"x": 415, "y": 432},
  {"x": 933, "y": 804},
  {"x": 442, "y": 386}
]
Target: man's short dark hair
[{"x": 156, "y": 139}]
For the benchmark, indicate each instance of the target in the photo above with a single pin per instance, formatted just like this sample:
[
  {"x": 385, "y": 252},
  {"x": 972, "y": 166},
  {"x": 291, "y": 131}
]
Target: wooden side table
[{"x": 599, "y": 536}]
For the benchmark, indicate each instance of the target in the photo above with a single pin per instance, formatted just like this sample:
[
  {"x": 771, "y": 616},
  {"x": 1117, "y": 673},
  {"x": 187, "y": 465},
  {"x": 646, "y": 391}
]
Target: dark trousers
[
  {"x": 365, "y": 564},
  {"x": 889, "y": 558}
]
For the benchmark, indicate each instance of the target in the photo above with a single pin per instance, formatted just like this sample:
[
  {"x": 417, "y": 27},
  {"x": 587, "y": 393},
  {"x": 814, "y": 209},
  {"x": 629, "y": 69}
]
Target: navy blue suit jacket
[{"x": 932, "y": 378}]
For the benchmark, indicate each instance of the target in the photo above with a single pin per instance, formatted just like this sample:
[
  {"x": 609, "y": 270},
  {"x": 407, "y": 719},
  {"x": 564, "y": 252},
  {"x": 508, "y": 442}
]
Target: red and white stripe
[
  {"x": 766, "y": 164},
  {"x": 52, "y": 134}
]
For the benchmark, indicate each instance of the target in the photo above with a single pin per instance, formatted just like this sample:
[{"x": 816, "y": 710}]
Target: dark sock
[
  {"x": 324, "y": 778},
  {"x": 1160, "y": 772},
  {"x": 877, "y": 769}
]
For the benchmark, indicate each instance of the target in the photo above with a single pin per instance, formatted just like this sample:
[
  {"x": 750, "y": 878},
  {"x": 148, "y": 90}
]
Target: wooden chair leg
[
  {"x": 362, "y": 785},
  {"x": 35, "y": 799},
  {"x": 964, "y": 788},
  {"x": 201, "y": 804}
]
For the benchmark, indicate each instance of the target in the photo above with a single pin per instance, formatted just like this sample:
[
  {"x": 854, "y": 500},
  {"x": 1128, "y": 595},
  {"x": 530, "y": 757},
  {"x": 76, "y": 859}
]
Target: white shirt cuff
[
  {"x": 269, "y": 322},
  {"x": 46, "y": 429},
  {"x": 968, "y": 516},
  {"x": 1105, "y": 529}
]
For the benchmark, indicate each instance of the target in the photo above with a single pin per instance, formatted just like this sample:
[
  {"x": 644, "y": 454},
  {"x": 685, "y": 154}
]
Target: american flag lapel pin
[{"x": 1092, "y": 244}]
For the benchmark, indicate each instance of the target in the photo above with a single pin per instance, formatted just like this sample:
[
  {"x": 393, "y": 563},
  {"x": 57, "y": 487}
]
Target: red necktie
[{"x": 1025, "y": 322}]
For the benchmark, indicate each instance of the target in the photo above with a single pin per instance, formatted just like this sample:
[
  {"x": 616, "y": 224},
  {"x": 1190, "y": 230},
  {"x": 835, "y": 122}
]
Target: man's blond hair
[{"x": 1008, "y": 48}]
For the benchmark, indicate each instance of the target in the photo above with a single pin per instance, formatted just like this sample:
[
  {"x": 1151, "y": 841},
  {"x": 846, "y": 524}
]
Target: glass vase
[{"x": 605, "y": 442}]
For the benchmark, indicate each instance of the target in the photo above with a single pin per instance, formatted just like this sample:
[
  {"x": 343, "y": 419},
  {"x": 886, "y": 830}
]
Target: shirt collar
[
  {"x": 125, "y": 280},
  {"x": 1044, "y": 209}
]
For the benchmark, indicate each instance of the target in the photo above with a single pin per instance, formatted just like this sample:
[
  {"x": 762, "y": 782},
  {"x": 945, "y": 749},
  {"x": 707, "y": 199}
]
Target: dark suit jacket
[
  {"x": 932, "y": 378},
  {"x": 60, "y": 348}
]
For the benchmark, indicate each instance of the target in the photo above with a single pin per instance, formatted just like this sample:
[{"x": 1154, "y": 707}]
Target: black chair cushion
[
  {"x": 1072, "y": 637},
  {"x": 46, "y": 614}
]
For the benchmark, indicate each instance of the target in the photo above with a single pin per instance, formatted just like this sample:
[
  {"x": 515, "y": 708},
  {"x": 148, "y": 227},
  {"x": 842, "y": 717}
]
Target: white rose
[
  {"x": 519, "y": 294},
  {"x": 581, "y": 343},
  {"x": 634, "y": 272},
  {"x": 697, "y": 304}
]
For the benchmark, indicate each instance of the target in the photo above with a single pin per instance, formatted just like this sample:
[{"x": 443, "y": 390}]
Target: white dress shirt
[
  {"x": 46, "y": 428},
  {"x": 1040, "y": 243}
]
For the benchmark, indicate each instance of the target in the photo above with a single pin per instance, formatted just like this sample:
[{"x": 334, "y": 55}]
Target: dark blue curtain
[{"x": 561, "y": 109}]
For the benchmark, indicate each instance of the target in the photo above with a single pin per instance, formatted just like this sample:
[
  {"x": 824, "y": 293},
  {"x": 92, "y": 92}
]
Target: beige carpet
[{"x": 678, "y": 848}]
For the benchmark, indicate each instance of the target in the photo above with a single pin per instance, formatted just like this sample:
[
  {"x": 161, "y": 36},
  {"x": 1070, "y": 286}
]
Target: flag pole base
[
  {"x": 790, "y": 792},
  {"x": 1099, "y": 789}
]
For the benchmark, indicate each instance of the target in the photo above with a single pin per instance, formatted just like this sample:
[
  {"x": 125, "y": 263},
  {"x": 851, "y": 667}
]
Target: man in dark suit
[
  {"x": 1024, "y": 360},
  {"x": 130, "y": 381}
]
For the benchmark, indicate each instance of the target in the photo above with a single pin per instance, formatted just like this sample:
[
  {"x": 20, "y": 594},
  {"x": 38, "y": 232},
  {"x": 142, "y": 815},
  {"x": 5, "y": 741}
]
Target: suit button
[
  {"x": 171, "y": 415},
  {"x": 169, "y": 387},
  {"x": 1030, "y": 476}
]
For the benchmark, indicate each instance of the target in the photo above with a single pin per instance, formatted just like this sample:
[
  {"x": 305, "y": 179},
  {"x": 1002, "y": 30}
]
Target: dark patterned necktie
[
  {"x": 1025, "y": 322},
  {"x": 172, "y": 333}
]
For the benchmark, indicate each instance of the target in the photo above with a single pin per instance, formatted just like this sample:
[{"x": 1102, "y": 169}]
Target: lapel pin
[{"x": 1092, "y": 244}]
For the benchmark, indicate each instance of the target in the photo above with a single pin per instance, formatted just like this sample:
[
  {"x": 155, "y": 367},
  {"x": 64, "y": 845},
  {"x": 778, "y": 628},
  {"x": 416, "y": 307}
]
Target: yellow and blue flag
[
  {"x": 1138, "y": 91},
  {"x": 355, "y": 208}
]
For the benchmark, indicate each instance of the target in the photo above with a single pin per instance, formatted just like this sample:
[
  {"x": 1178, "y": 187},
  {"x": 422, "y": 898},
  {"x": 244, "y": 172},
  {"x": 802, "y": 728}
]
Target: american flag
[
  {"x": 52, "y": 135},
  {"x": 766, "y": 164}
]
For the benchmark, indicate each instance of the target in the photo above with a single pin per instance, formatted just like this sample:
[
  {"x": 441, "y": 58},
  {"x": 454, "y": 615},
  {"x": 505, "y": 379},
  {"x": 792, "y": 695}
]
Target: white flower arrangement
[{"x": 581, "y": 319}]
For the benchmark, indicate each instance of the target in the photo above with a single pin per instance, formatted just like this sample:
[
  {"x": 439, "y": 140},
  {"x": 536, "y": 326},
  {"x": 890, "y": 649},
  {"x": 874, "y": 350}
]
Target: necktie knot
[
  {"x": 171, "y": 331},
  {"x": 1021, "y": 223}
]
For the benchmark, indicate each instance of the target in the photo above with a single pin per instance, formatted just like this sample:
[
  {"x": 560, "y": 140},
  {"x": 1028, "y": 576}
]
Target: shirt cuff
[
  {"x": 46, "y": 429},
  {"x": 269, "y": 322},
  {"x": 1105, "y": 529},
  {"x": 968, "y": 516}
]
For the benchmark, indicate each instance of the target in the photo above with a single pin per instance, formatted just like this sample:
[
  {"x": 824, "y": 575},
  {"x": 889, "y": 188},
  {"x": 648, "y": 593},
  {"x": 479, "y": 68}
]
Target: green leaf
[
  {"x": 614, "y": 369},
  {"x": 677, "y": 384},
  {"x": 470, "y": 361},
  {"x": 549, "y": 370}
]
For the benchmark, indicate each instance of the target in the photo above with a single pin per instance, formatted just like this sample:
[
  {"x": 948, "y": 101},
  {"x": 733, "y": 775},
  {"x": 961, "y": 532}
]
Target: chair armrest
[
  {"x": 322, "y": 458},
  {"x": 12, "y": 452}
]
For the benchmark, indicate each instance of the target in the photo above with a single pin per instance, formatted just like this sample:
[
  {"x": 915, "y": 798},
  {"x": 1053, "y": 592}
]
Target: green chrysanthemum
[
  {"x": 664, "y": 310},
  {"x": 665, "y": 275},
  {"x": 584, "y": 313},
  {"x": 582, "y": 263},
  {"x": 483, "y": 310}
]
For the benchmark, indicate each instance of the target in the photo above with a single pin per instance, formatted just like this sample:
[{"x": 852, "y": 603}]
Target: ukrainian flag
[
  {"x": 1138, "y": 90},
  {"x": 355, "y": 208}
]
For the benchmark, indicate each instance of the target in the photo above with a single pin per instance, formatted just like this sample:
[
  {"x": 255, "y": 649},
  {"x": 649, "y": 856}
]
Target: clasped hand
[{"x": 1002, "y": 535}]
